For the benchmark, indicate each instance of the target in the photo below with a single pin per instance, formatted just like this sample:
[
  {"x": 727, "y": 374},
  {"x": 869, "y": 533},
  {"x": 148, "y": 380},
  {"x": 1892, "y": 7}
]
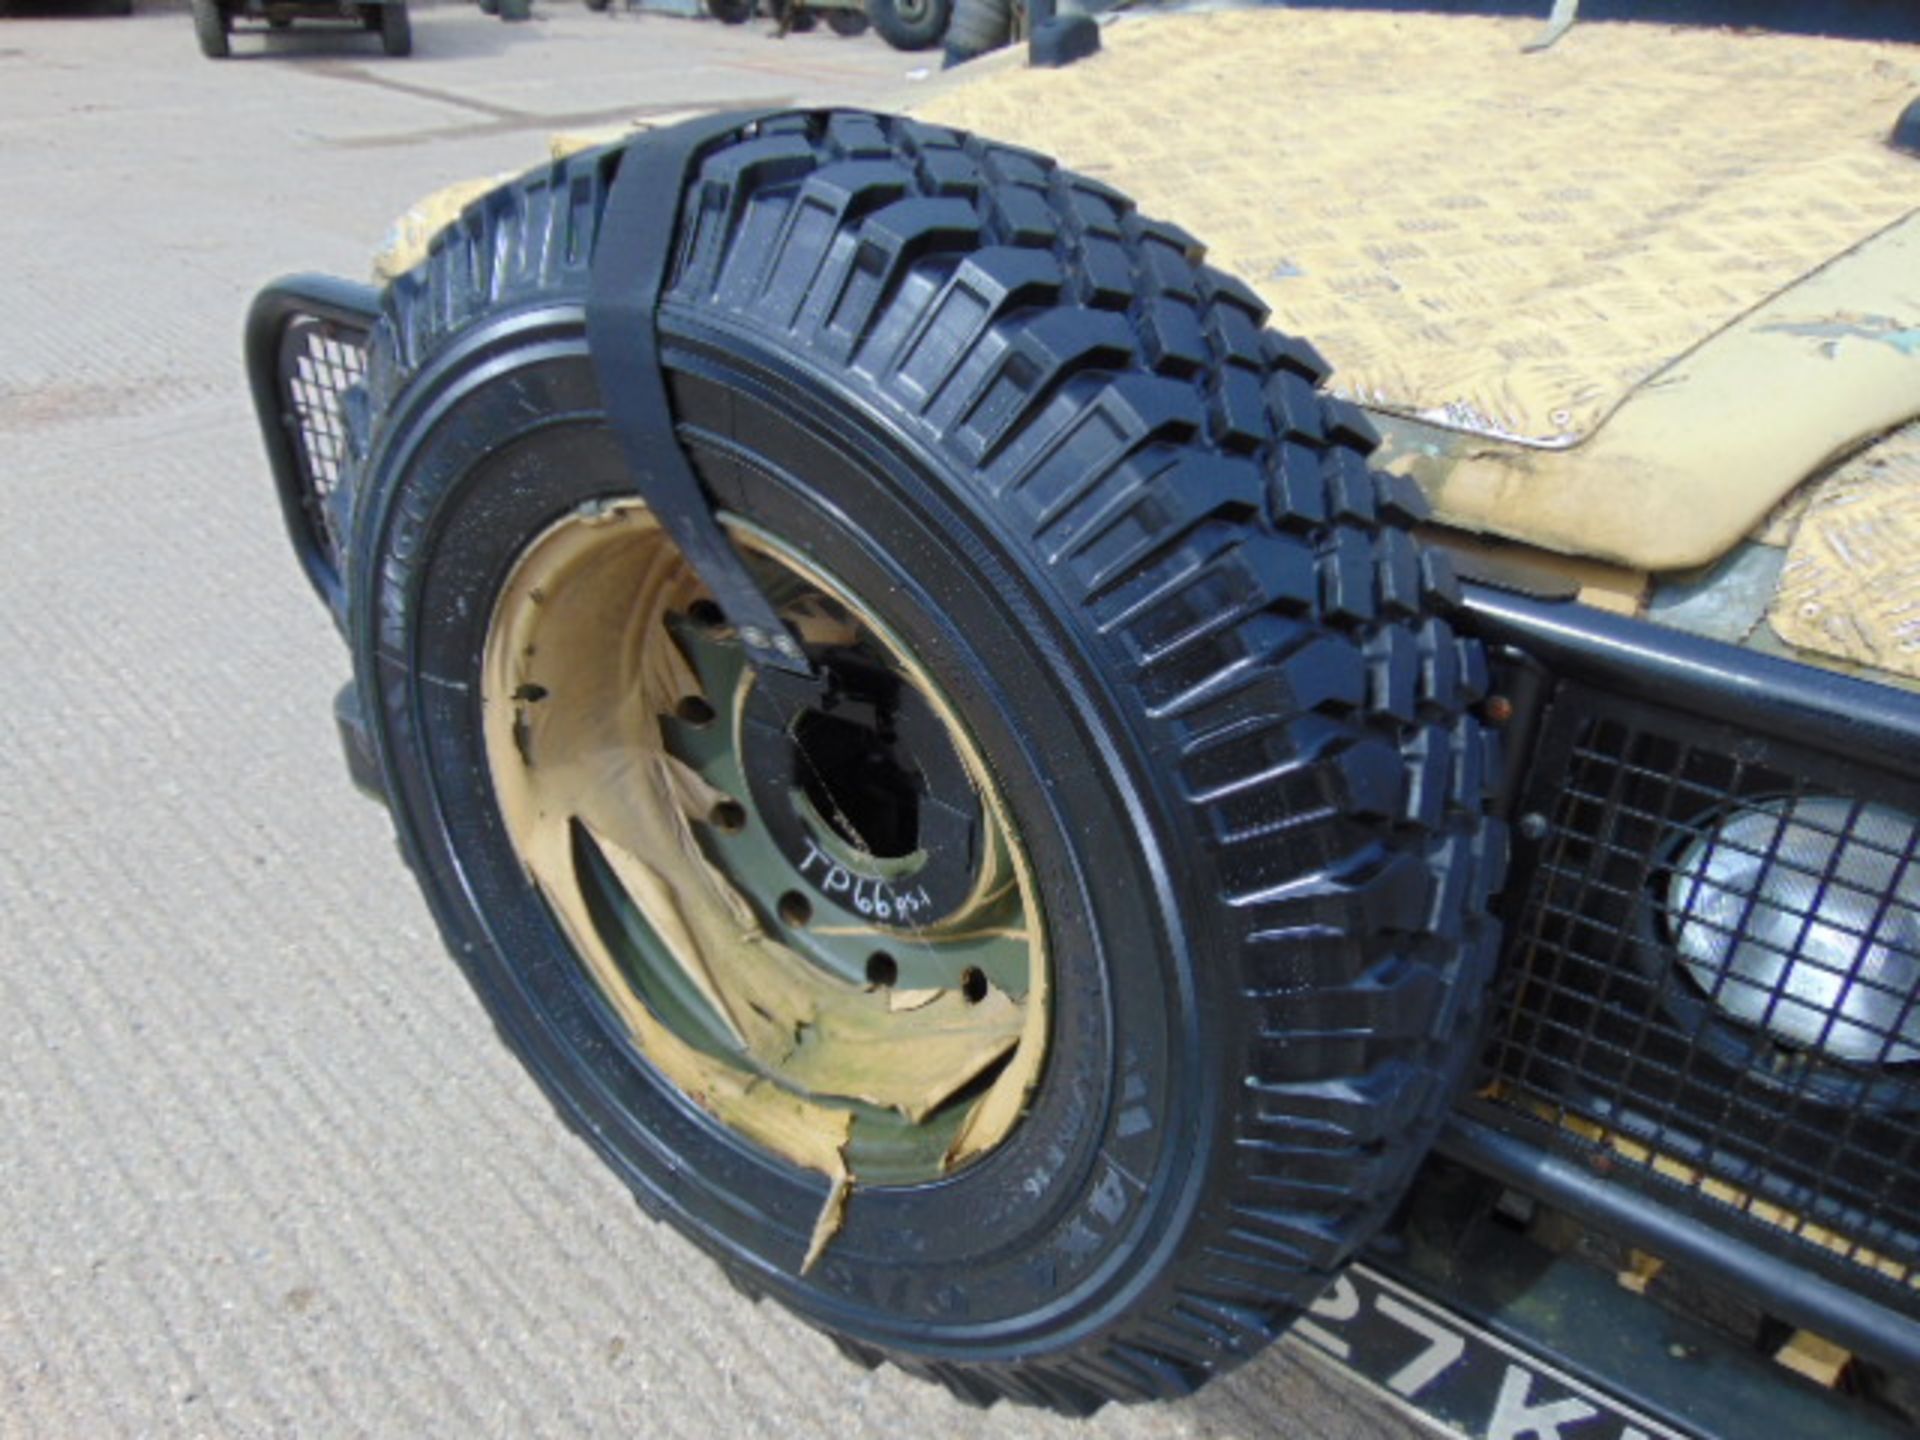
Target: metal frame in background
[
  {"x": 1775, "y": 700},
  {"x": 273, "y": 320}
]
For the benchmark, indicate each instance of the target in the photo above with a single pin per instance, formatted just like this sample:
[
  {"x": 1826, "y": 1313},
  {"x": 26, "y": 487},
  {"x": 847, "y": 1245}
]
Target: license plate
[{"x": 1453, "y": 1373}]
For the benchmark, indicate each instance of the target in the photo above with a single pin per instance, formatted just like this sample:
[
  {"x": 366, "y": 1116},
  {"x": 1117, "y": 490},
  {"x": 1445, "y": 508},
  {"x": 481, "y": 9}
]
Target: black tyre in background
[
  {"x": 396, "y": 29},
  {"x": 210, "y": 27},
  {"x": 910, "y": 24},
  {"x": 978, "y": 26}
]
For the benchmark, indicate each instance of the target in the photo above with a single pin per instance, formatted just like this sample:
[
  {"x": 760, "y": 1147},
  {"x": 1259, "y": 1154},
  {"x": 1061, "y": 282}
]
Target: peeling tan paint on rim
[{"x": 579, "y": 666}]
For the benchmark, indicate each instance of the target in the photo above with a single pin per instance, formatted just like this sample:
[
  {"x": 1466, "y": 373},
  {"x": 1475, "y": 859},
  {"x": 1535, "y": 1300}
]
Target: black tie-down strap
[{"x": 629, "y": 270}]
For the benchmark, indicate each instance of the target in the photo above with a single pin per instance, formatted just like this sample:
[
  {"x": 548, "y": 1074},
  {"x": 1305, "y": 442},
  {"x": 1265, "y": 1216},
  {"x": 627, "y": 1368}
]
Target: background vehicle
[
  {"x": 1684, "y": 1168},
  {"x": 903, "y": 24},
  {"x": 213, "y": 20}
]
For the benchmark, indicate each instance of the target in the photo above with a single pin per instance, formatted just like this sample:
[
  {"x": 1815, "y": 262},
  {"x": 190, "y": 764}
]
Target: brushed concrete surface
[{"x": 265, "y": 1170}]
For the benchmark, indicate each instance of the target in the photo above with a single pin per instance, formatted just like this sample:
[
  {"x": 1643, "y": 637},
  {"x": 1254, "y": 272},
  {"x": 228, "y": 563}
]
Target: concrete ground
[{"x": 265, "y": 1169}]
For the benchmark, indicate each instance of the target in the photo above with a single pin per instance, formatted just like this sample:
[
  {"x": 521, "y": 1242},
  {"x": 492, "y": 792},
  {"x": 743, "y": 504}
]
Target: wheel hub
[{"x": 861, "y": 789}]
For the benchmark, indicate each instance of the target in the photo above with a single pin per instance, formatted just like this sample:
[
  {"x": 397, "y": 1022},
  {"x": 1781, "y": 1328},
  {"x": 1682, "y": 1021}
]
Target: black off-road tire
[
  {"x": 210, "y": 27},
  {"x": 910, "y": 24},
  {"x": 977, "y": 27},
  {"x": 1191, "y": 630},
  {"x": 848, "y": 23},
  {"x": 396, "y": 30}
]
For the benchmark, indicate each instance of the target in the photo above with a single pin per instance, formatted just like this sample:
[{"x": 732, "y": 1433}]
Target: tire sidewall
[
  {"x": 396, "y": 29},
  {"x": 1036, "y": 1244},
  {"x": 211, "y": 28}
]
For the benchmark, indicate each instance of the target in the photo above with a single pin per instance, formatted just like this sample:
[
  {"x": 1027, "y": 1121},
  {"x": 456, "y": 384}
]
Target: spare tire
[{"x": 1117, "y": 906}]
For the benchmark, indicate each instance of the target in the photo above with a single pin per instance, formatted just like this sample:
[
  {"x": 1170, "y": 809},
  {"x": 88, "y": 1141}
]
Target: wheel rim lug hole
[
  {"x": 796, "y": 911},
  {"x": 706, "y": 614},
  {"x": 693, "y": 711},
  {"x": 973, "y": 985},
  {"x": 729, "y": 817},
  {"x": 882, "y": 970}
]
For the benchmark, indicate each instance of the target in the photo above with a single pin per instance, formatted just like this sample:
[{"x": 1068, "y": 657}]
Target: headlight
[{"x": 1802, "y": 917}]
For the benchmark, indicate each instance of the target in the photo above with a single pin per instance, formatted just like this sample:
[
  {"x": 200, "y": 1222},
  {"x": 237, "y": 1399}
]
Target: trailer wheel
[
  {"x": 910, "y": 24},
  {"x": 210, "y": 27},
  {"x": 1051, "y": 999}
]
